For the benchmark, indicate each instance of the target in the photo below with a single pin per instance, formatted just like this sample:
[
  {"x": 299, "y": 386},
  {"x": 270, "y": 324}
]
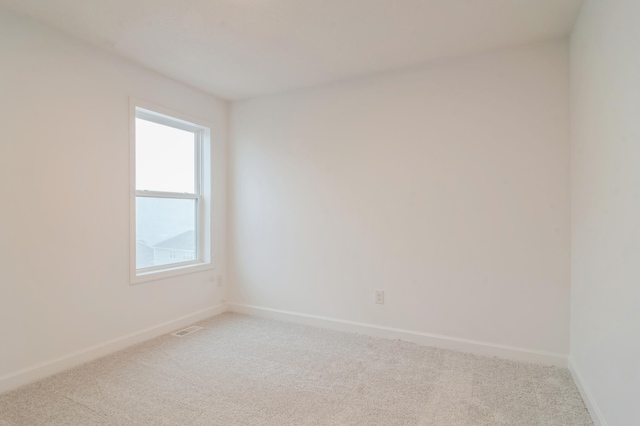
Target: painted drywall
[
  {"x": 240, "y": 49},
  {"x": 446, "y": 186},
  {"x": 605, "y": 213},
  {"x": 64, "y": 180}
]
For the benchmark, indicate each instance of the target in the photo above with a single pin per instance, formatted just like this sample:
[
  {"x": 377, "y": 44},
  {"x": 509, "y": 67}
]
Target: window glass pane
[
  {"x": 165, "y": 158},
  {"x": 165, "y": 231}
]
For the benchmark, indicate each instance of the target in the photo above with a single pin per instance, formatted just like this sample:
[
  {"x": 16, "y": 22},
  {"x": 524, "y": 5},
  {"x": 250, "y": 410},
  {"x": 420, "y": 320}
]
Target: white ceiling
[{"x": 244, "y": 48}]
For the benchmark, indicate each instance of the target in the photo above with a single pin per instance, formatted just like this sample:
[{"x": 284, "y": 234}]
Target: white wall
[
  {"x": 605, "y": 147},
  {"x": 64, "y": 180},
  {"x": 447, "y": 186}
]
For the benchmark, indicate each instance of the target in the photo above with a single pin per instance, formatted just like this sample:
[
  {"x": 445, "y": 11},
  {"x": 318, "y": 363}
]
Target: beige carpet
[{"x": 241, "y": 370}]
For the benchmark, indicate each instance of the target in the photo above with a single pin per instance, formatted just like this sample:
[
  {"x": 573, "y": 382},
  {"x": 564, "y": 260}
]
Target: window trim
[{"x": 202, "y": 195}]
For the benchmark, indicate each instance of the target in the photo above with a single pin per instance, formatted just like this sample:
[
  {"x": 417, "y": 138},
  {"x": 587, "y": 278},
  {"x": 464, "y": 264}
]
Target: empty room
[{"x": 320, "y": 212}]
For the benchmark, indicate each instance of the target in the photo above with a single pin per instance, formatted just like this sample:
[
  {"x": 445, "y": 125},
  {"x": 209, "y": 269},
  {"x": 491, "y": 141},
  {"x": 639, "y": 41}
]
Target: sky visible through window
[
  {"x": 165, "y": 158},
  {"x": 165, "y": 227}
]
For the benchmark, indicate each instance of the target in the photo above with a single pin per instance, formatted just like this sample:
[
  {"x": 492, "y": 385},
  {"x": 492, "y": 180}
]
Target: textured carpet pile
[{"x": 241, "y": 370}]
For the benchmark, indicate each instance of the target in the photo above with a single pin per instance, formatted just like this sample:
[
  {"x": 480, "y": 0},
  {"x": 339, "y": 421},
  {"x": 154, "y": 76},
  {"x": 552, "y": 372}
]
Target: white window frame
[{"x": 201, "y": 195}]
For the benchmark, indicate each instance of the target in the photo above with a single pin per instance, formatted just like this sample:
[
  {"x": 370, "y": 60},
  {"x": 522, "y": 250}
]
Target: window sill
[{"x": 170, "y": 273}]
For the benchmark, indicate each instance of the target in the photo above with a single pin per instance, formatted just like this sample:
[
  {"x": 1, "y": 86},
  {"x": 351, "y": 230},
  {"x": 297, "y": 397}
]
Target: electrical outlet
[
  {"x": 380, "y": 297},
  {"x": 219, "y": 280}
]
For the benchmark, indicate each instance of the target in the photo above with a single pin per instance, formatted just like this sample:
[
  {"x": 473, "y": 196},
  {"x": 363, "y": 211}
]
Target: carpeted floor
[{"x": 241, "y": 370}]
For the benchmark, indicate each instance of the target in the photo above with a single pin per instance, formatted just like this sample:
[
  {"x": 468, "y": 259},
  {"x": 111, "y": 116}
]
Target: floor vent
[{"x": 186, "y": 331}]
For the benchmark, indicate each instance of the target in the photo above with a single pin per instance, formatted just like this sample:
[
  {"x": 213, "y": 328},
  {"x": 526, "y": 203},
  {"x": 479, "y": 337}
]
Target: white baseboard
[
  {"x": 427, "y": 339},
  {"x": 48, "y": 368},
  {"x": 587, "y": 397}
]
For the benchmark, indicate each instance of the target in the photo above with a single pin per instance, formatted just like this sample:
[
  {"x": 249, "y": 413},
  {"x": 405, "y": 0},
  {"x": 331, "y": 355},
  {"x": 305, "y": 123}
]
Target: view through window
[{"x": 168, "y": 192}]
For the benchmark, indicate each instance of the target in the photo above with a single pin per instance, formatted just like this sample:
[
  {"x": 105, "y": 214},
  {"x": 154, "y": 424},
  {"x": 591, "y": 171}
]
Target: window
[{"x": 170, "y": 195}]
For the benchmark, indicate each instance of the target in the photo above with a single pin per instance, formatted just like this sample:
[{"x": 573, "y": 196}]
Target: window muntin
[{"x": 169, "y": 203}]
